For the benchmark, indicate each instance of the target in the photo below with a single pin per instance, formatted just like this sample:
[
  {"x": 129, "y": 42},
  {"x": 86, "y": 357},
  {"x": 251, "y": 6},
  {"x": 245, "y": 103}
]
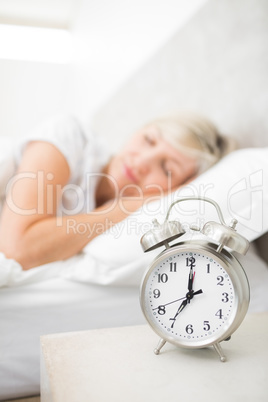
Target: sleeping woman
[{"x": 67, "y": 190}]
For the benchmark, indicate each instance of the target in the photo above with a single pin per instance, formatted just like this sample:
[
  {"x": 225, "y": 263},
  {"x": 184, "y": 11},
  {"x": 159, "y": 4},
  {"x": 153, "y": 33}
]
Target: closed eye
[
  {"x": 165, "y": 169},
  {"x": 149, "y": 139}
]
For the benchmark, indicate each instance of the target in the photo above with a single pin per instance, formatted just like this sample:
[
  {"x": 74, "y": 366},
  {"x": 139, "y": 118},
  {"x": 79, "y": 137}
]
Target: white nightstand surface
[{"x": 118, "y": 365}]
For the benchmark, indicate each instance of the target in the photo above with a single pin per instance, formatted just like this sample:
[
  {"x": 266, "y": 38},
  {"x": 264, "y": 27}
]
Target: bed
[{"x": 211, "y": 66}]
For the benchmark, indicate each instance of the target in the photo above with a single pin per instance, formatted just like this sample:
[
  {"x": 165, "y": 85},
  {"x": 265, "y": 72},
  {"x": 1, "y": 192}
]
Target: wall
[
  {"x": 115, "y": 38},
  {"x": 112, "y": 40},
  {"x": 31, "y": 92},
  {"x": 216, "y": 64}
]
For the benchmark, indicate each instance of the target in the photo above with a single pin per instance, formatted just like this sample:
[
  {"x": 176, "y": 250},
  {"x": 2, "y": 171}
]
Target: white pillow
[{"x": 238, "y": 183}]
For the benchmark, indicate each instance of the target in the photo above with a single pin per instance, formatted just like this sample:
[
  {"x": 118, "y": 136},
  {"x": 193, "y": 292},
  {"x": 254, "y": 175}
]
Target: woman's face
[{"x": 149, "y": 164}]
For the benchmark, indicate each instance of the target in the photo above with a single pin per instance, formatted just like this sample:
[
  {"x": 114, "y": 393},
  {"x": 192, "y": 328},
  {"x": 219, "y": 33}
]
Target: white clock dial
[{"x": 189, "y": 298}]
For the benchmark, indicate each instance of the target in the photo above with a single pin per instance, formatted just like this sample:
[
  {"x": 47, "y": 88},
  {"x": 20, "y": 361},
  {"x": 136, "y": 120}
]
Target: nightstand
[{"x": 118, "y": 365}]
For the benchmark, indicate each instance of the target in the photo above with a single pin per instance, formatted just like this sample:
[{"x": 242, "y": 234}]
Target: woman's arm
[
  {"x": 43, "y": 241},
  {"x": 29, "y": 230}
]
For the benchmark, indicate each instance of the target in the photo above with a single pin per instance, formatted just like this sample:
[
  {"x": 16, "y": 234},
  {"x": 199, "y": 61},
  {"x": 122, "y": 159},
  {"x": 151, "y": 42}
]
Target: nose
[{"x": 144, "y": 168}]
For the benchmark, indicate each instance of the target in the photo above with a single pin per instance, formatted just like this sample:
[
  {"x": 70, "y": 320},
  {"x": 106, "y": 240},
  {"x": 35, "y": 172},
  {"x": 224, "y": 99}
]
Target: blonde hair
[{"x": 195, "y": 136}]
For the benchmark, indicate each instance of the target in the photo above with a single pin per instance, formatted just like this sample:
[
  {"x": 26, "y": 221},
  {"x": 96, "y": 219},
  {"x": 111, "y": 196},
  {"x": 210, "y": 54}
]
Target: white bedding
[
  {"x": 99, "y": 287},
  {"x": 239, "y": 184},
  {"x": 52, "y": 306}
]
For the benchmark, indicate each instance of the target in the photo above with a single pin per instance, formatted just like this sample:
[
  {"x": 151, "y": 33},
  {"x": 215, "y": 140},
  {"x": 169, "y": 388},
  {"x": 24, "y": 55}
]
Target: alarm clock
[{"x": 195, "y": 293}]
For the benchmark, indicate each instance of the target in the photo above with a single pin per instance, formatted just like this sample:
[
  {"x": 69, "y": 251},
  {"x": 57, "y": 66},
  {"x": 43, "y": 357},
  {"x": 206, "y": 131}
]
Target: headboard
[{"x": 217, "y": 64}]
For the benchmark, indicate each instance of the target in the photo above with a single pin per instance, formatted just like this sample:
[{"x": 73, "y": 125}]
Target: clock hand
[
  {"x": 191, "y": 279},
  {"x": 188, "y": 297},
  {"x": 173, "y": 301},
  {"x": 182, "y": 306},
  {"x": 197, "y": 293},
  {"x": 181, "y": 298}
]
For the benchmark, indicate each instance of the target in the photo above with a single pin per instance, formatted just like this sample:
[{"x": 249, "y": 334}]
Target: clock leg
[
  {"x": 160, "y": 344},
  {"x": 217, "y": 347}
]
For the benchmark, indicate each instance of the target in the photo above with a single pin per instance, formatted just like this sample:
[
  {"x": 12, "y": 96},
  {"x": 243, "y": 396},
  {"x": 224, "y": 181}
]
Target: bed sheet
[{"x": 56, "y": 305}]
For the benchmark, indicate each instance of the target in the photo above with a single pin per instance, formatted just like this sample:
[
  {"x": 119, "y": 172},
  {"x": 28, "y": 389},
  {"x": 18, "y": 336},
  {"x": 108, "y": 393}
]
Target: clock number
[
  {"x": 156, "y": 293},
  {"x": 220, "y": 279},
  {"x": 173, "y": 267},
  {"x": 208, "y": 268},
  {"x": 190, "y": 262},
  {"x": 206, "y": 326},
  {"x": 189, "y": 329},
  {"x": 162, "y": 278},
  {"x": 219, "y": 314},
  {"x": 161, "y": 310},
  {"x": 225, "y": 297}
]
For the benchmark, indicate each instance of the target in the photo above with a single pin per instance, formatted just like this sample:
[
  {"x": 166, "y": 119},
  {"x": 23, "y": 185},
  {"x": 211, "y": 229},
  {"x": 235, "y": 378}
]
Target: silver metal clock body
[
  {"x": 195, "y": 293},
  {"x": 209, "y": 317}
]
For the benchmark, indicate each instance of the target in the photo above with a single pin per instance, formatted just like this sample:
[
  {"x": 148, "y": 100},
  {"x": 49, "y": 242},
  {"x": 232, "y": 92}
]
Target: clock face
[{"x": 189, "y": 298}]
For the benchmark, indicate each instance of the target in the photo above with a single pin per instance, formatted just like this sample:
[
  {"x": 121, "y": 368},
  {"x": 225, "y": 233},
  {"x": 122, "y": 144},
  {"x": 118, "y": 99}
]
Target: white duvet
[{"x": 238, "y": 183}]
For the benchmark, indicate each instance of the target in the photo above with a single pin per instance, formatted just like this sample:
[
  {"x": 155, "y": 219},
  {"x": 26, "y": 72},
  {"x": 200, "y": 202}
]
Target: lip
[{"x": 129, "y": 174}]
